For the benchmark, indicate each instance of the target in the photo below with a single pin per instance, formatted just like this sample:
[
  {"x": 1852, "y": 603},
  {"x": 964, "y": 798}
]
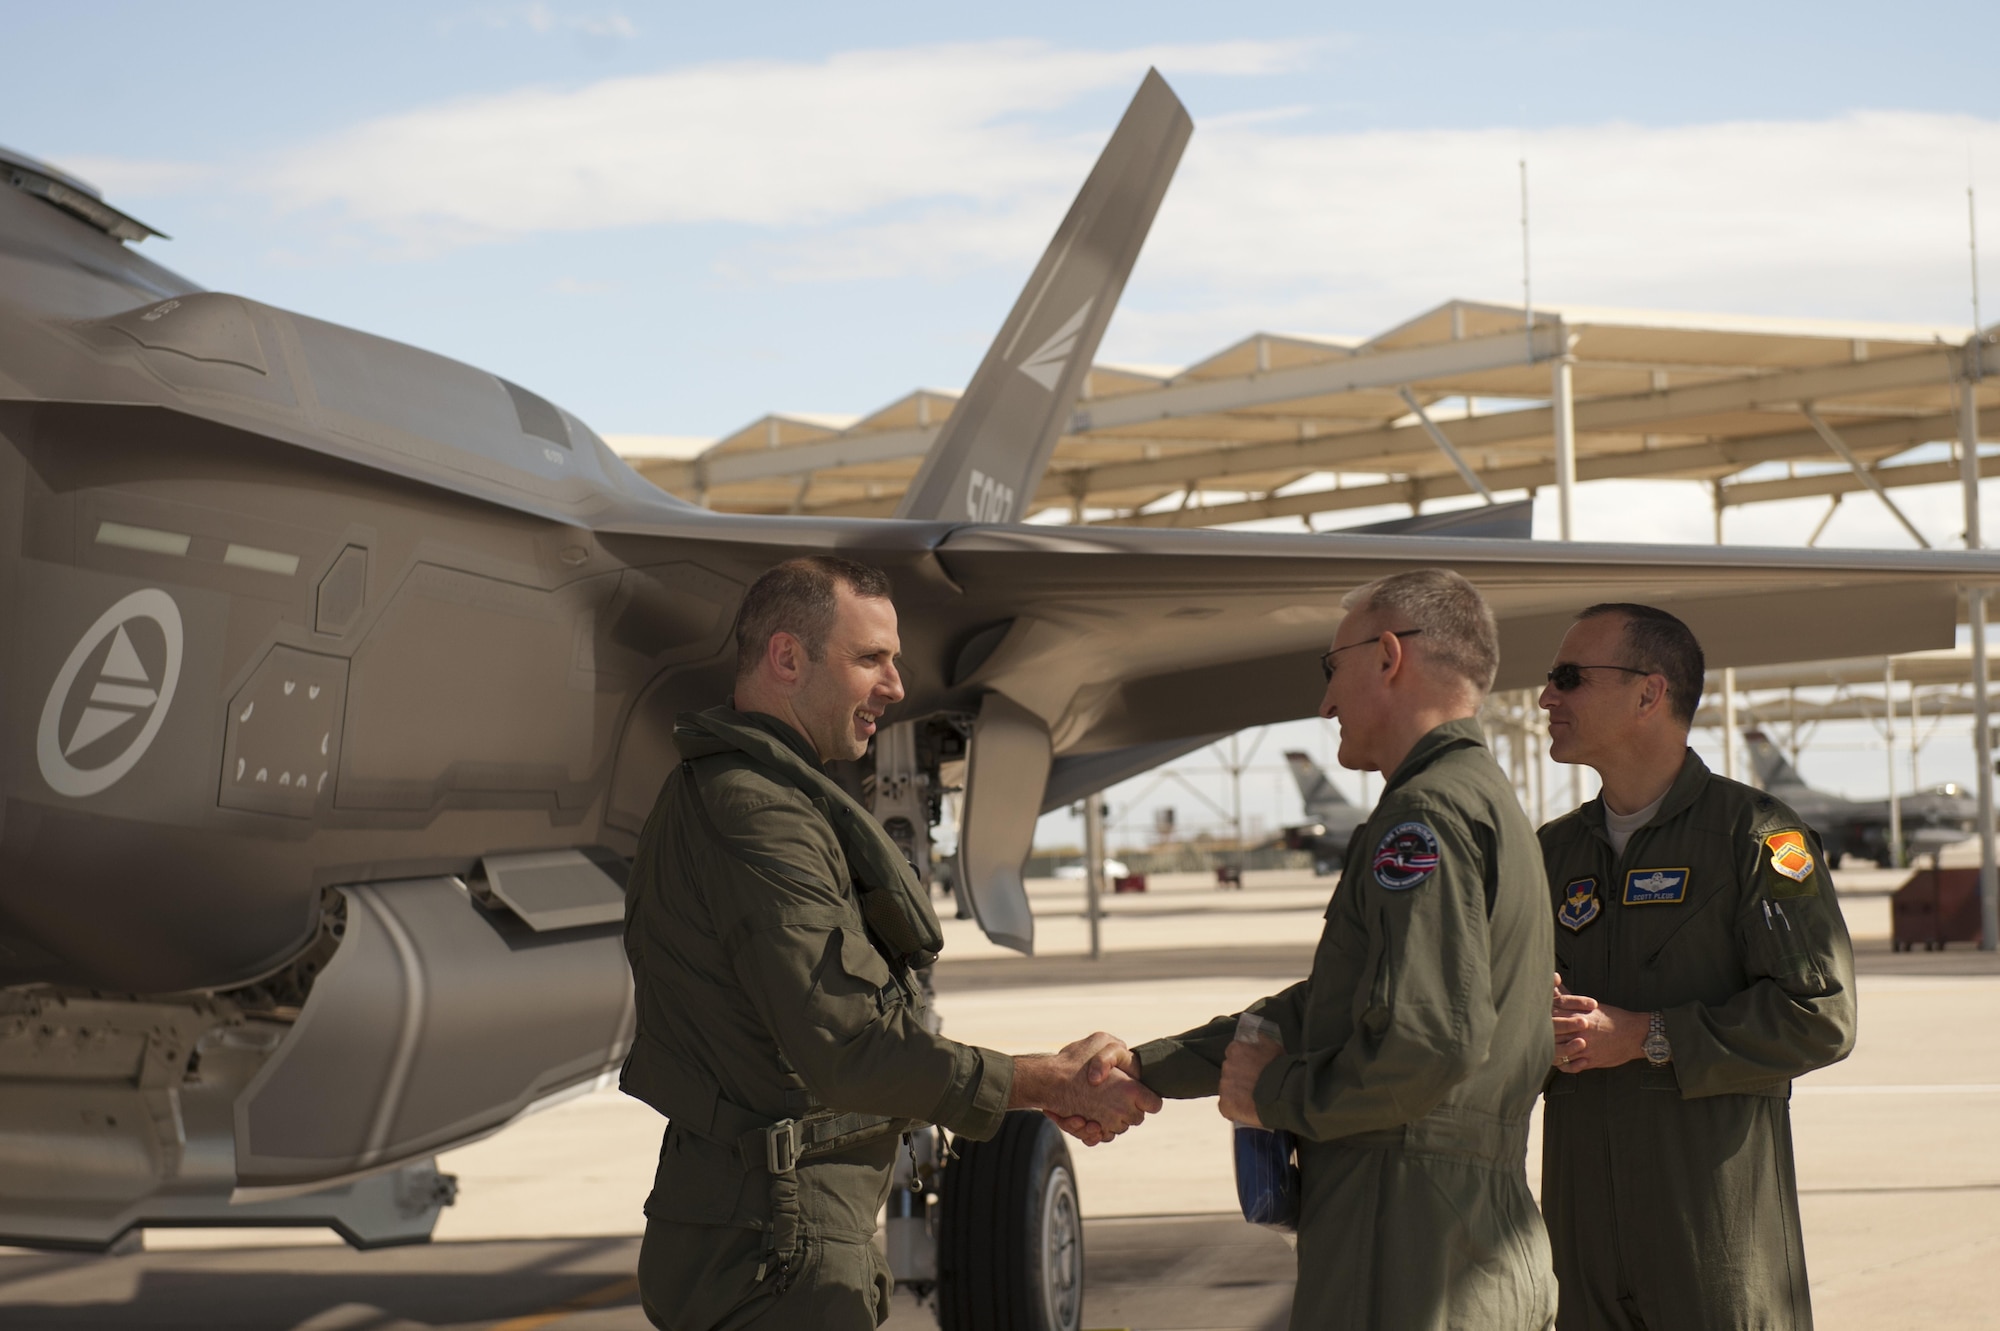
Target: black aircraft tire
[{"x": 1010, "y": 1232}]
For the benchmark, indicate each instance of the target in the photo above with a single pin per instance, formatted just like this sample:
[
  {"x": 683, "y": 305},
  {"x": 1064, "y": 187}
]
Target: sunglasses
[
  {"x": 1569, "y": 675},
  {"x": 1326, "y": 660}
]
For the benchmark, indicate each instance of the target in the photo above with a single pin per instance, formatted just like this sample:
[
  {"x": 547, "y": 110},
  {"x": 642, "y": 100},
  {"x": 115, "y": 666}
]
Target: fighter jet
[
  {"x": 1932, "y": 819},
  {"x": 1332, "y": 819},
  {"x": 339, "y": 676}
]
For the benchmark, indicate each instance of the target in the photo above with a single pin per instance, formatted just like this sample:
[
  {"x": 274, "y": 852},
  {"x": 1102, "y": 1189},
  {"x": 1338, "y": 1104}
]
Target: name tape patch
[
  {"x": 1407, "y": 855},
  {"x": 1653, "y": 887}
]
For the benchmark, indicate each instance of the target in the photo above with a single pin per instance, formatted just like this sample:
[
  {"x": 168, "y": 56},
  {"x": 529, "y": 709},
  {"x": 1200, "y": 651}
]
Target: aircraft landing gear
[{"x": 1010, "y": 1232}]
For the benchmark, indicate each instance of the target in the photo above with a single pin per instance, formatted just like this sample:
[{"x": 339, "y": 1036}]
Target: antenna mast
[{"x": 1527, "y": 290}]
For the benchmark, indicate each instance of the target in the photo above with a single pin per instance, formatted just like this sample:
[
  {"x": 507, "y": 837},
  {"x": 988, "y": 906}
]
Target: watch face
[{"x": 1656, "y": 1048}]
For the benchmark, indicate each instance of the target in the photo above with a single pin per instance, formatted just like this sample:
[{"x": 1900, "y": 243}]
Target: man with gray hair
[{"x": 1409, "y": 1059}]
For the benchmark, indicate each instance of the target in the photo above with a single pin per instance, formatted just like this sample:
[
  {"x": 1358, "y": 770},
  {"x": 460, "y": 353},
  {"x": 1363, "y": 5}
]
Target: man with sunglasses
[
  {"x": 1412, "y": 1054},
  {"x": 1702, "y": 963}
]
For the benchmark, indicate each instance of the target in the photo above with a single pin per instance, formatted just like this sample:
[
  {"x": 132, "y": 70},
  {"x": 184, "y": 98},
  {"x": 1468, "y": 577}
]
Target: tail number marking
[{"x": 987, "y": 500}]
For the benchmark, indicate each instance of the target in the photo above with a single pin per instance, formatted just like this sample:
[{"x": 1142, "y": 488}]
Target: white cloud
[
  {"x": 1863, "y": 214},
  {"x": 767, "y": 143},
  {"x": 136, "y": 177},
  {"x": 932, "y": 161}
]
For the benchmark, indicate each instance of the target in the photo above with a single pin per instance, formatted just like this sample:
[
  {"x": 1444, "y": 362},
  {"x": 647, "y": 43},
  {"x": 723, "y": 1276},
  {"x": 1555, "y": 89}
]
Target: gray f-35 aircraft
[
  {"x": 1332, "y": 817},
  {"x": 338, "y": 678},
  {"x": 1932, "y": 819}
]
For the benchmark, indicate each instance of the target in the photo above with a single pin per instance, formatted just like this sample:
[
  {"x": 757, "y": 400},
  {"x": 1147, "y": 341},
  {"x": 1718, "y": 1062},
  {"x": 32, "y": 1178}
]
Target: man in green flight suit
[
  {"x": 1413, "y": 1052},
  {"x": 1702, "y": 963},
  {"x": 772, "y": 928}
]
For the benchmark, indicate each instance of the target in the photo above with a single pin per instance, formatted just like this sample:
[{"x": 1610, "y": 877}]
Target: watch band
[{"x": 1656, "y": 1048}]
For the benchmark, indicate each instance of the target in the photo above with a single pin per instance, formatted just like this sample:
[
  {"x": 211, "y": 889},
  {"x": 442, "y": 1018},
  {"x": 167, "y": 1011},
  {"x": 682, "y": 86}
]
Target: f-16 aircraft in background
[
  {"x": 1331, "y": 818},
  {"x": 1932, "y": 819},
  {"x": 338, "y": 681}
]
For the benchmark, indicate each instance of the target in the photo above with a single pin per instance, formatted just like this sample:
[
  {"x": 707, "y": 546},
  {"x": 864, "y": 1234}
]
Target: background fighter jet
[
  {"x": 338, "y": 681},
  {"x": 1932, "y": 819},
  {"x": 1332, "y": 819}
]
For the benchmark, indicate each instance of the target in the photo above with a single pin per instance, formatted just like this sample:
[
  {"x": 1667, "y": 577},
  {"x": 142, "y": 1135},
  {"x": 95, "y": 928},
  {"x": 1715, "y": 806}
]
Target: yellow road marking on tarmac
[{"x": 597, "y": 1298}]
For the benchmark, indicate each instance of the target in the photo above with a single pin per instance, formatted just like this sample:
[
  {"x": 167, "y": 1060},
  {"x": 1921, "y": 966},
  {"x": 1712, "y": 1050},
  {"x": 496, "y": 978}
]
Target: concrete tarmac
[{"x": 1899, "y": 1165}]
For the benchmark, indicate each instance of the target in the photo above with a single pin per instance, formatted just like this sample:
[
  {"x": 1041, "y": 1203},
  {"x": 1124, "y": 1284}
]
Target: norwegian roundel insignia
[{"x": 1406, "y": 856}]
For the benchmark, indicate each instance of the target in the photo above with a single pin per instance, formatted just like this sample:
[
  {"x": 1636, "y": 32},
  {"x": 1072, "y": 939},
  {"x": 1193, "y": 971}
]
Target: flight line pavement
[{"x": 1899, "y": 1166}]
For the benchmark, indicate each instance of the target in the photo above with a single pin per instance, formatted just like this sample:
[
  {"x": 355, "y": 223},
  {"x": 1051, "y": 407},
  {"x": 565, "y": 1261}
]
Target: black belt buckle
[{"x": 781, "y": 1146}]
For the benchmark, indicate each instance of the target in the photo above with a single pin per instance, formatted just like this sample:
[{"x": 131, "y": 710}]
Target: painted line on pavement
[{"x": 597, "y": 1298}]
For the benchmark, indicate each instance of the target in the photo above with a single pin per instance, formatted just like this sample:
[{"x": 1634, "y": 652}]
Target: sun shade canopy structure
[{"x": 1459, "y": 401}]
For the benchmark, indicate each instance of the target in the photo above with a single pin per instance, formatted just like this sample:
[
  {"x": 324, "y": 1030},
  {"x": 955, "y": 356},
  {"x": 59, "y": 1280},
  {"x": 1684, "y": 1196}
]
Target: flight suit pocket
[
  {"x": 865, "y": 969},
  {"x": 699, "y": 1182},
  {"x": 1375, "y": 1018}
]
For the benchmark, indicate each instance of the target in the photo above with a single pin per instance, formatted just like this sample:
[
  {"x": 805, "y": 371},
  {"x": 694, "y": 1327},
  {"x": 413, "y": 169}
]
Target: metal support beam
[
  {"x": 1562, "y": 408},
  {"x": 1867, "y": 477},
  {"x": 1445, "y": 446},
  {"x": 1982, "y": 743},
  {"x": 1889, "y": 749},
  {"x": 1347, "y": 374},
  {"x": 1093, "y": 868},
  {"x": 1729, "y": 722}
]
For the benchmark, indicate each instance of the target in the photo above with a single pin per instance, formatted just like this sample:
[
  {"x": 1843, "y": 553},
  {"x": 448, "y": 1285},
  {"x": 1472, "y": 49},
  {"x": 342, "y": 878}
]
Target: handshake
[{"x": 1090, "y": 1088}]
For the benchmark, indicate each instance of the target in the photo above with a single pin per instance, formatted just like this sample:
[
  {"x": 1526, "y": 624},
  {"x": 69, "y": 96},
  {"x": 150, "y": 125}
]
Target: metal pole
[
  {"x": 1236, "y": 793},
  {"x": 1562, "y": 404},
  {"x": 1975, "y": 597},
  {"x": 1729, "y": 722},
  {"x": 1895, "y": 804},
  {"x": 1093, "y": 868}
]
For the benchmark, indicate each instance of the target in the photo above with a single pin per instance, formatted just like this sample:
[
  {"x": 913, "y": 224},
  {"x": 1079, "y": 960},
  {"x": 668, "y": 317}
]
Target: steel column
[
  {"x": 1975, "y": 597},
  {"x": 1562, "y": 404},
  {"x": 1729, "y": 722},
  {"x": 1889, "y": 720},
  {"x": 1093, "y": 868}
]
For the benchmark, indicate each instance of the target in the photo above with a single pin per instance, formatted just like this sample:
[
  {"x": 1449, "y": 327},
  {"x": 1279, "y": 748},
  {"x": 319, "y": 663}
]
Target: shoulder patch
[
  {"x": 1790, "y": 857},
  {"x": 1406, "y": 856}
]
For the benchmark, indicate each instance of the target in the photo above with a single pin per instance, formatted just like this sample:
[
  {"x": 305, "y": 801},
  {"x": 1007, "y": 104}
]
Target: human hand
[
  {"x": 1242, "y": 1064},
  {"x": 1106, "y": 1056},
  {"x": 1087, "y": 1089},
  {"x": 1590, "y": 1034}
]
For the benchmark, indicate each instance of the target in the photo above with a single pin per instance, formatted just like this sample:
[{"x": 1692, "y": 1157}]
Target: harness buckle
[{"x": 781, "y": 1146}]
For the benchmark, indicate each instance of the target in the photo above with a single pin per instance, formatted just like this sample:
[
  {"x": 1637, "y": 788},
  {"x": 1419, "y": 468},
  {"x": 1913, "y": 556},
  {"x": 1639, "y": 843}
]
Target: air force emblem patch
[
  {"x": 1789, "y": 855},
  {"x": 1652, "y": 887},
  {"x": 1406, "y": 856},
  {"x": 1580, "y": 904}
]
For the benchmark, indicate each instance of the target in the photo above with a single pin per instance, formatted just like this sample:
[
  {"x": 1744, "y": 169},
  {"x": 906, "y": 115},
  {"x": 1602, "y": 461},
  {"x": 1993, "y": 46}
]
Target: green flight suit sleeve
[
  {"x": 1797, "y": 1013},
  {"x": 794, "y": 939},
  {"x": 1423, "y": 1001},
  {"x": 1188, "y": 1066}
]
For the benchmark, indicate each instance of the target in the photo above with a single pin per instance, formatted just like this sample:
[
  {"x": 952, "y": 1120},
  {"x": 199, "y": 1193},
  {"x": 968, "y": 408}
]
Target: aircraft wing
[{"x": 1119, "y": 636}]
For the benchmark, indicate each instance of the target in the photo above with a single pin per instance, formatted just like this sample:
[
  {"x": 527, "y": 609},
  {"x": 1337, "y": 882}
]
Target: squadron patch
[
  {"x": 1580, "y": 904},
  {"x": 1406, "y": 856},
  {"x": 1789, "y": 855},
  {"x": 1650, "y": 887}
]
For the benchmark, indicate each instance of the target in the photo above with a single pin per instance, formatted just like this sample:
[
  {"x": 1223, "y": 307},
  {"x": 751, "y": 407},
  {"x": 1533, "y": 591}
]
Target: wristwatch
[{"x": 1656, "y": 1049}]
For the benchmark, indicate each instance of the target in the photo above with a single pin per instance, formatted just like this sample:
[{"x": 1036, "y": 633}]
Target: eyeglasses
[
  {"x": 1569, "y": 675},
  {"x": 1326, "y": 660}
]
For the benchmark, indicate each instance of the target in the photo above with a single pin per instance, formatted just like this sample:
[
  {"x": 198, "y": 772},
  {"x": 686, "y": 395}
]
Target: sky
[{"x": 673, "y": 219}]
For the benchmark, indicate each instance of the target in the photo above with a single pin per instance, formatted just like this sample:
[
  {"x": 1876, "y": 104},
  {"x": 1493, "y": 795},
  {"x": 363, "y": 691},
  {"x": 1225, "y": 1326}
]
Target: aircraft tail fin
[
  {"x": 991, "y": 454},
  {"x": 1774, "y": 770},
  {"x": 1314, "y": 788}
]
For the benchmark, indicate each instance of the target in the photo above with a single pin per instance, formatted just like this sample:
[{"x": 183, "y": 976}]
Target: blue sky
[{"x": 674, "y": 218}]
